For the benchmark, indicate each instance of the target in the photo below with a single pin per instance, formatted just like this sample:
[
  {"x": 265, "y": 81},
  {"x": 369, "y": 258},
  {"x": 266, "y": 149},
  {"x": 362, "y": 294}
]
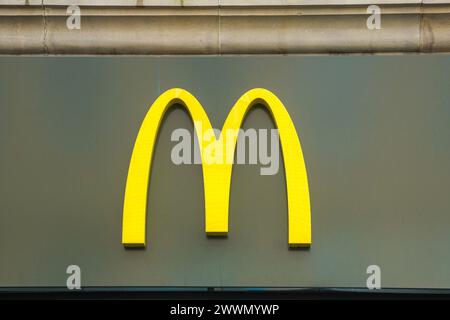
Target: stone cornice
[{"x": 234, "y": 27}]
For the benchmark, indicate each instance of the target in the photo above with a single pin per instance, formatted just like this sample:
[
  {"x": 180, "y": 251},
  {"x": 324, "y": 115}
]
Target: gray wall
[{"x": 375, "y": 136}]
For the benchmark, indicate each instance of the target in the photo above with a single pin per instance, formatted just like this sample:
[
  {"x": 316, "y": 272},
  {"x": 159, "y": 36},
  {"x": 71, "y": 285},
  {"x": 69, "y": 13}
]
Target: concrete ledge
[
  {"x": 209, "y": 29},
  {"x": 212, "y": 3}
]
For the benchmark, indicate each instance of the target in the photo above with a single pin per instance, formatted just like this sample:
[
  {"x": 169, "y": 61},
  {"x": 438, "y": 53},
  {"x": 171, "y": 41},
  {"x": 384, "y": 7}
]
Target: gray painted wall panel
[{"x": 375, "y": 136}]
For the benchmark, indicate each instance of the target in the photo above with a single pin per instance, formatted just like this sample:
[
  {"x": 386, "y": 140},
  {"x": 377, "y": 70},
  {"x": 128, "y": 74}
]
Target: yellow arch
[{"x": 217, "y": 176}]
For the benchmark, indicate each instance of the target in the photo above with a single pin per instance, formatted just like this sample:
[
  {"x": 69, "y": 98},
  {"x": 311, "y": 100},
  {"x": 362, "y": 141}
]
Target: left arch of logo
[{"x": 217, "y": 177}]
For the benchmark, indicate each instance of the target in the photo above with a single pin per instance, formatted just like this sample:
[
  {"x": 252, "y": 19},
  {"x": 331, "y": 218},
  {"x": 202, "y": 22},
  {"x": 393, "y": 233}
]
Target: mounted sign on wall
[{"x": 216, "y": 173}]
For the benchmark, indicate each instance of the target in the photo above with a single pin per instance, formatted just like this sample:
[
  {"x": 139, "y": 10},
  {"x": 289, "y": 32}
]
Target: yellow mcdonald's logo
[{"x": 217, "y": 176}]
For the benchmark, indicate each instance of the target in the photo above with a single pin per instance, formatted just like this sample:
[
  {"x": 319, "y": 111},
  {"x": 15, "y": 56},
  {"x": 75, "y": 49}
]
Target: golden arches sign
[{"x": 217, "y": 176}]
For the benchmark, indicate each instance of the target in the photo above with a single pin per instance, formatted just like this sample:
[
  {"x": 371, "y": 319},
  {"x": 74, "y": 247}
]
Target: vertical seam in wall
[
  {"x": 219, "y": 47},
  {"x": 45, "y": 47},
  {"x": 420, "y": 46}
]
